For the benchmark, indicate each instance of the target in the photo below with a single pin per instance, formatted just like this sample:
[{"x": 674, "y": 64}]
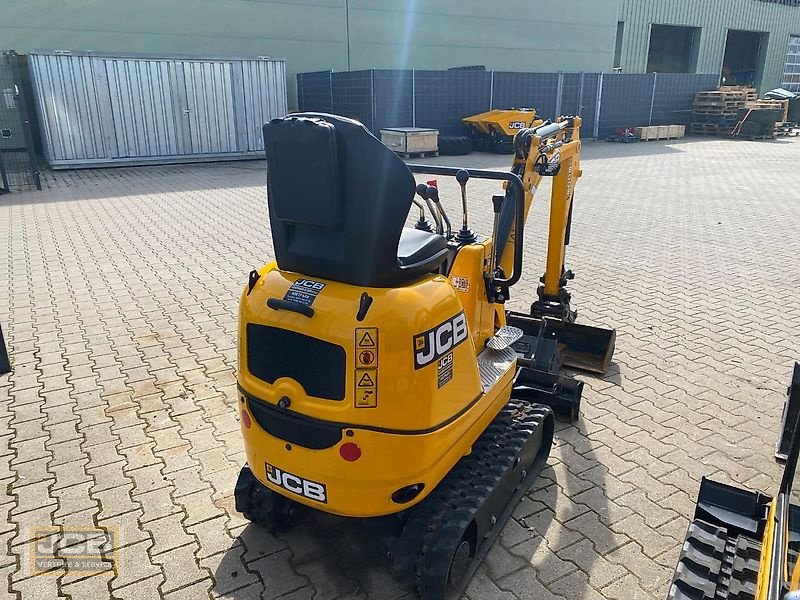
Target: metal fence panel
[
  {"x": 674, "y": 94},
  {"x": 626, "y": 101},
  {"x": 443, "y": 98},
  {"x": 394, "y": 98},
  {"x": 352, "y": 96},
  {"x": 99, "y": 109},
  {"x": 526, "y": 90},
  {"x": 315, "y": 91},
  {"x": 440, "y": 99},
  {"x": 18, "y": 166}
]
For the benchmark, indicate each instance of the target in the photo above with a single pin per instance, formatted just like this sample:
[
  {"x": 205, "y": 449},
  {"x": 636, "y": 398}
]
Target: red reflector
[
  {"x": 350, "y": 451},
  {"x": 246, "y": 418}
]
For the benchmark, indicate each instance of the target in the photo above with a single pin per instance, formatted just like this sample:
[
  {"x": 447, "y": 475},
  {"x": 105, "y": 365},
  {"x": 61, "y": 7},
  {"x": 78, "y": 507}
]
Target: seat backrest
[{"x": 338, "y": 199}]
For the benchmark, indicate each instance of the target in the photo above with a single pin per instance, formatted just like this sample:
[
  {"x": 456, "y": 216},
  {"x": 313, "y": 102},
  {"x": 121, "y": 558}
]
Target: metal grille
[
  {"x": 18, "y": 165},
  {"x": 791, "y": 73},
  {"x": 492, "y": 364}
]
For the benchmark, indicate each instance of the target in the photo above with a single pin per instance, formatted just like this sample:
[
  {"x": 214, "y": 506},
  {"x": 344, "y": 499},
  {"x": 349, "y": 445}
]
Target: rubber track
[
  {"x": 714, "y": 566},
  {"x": 450, "y": 508}
]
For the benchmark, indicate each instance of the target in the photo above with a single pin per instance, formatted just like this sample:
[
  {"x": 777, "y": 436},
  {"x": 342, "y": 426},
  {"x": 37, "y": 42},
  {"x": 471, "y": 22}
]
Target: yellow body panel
[
  {"x": 467, "y": 278},
  {"x": 504, "y": 121},
  {"x": 419, "y": 427},
  {"x": 762, "y": 583}
]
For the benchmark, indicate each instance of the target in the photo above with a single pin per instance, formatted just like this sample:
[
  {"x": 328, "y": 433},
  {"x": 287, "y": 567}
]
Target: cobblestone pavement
[{"x": 119, "y": 297}]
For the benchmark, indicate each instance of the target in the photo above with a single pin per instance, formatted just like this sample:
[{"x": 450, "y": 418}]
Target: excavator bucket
[{"x": 581, "y": 346}]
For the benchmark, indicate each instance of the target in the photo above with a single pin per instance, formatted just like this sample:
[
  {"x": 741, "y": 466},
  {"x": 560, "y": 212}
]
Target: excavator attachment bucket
[{"x": 581, "y": 346}]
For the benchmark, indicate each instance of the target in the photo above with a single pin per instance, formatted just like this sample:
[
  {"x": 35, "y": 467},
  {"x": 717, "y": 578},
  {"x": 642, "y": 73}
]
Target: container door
[
  {"x": 262, "y": 86},
  {"x": 207, "y": 107},
  {"x": 141, "y": 105}
]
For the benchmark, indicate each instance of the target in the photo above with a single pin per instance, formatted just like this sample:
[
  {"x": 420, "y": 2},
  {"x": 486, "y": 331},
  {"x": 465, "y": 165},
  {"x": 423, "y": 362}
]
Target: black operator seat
[{"x": 338, "y": 199}]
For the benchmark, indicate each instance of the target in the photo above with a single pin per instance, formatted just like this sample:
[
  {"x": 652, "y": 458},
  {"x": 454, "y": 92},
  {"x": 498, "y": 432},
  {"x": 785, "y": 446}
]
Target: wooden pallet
[
  {"x": 751, "y": 138},
  {"x": 749, "y": 93},
  {"x": 408, "y": 155},
  {"x": 710, "y": 129},
  {"x": 730, "y": 113},
  {"x": 787, "y": 129}
]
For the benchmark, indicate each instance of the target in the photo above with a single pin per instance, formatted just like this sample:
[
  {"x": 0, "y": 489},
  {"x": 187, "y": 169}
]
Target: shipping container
[{"x": 105, "y": 110}]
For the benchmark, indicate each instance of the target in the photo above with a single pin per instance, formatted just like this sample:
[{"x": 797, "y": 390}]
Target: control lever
[
  {"x": 497, "y": 206},
  {"x": 422, "y": 223},
  {"x": 433, "y": 194},
  {"x": 465, "y": 235},
  {"x": 422, "y": 192}
]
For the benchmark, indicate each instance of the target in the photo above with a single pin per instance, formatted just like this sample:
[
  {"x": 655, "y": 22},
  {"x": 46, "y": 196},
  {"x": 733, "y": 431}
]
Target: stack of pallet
[
  {"x": 783, "y": 126},
  {"x": 715, "y": 113}
]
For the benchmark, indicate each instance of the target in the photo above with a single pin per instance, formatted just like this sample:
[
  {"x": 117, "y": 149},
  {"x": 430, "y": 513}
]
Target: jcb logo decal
[
  {"x": 517, "y": 125},
  {"x": 436, "y": 342},
  {"x": 297, "y": 485}
]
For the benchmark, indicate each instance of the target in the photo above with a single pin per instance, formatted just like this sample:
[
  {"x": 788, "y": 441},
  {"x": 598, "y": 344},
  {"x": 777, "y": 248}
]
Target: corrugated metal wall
[
  {"x": 715, "y": 17},
  {"x": 99, "y": 109}
]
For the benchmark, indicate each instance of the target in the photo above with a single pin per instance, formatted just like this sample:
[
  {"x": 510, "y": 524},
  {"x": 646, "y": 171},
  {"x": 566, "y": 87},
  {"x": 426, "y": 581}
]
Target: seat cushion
[{"x": 420, "y": 250}]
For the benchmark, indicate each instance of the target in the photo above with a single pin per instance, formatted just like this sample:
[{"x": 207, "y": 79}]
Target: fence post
[
  {"x": 300, "y": 103},
  {"x": 559, "y": 94},
  {"x": 372, "y": 94},
  {"x": 5, "y": 364},
  {"x": 652, "y": 99},
  {"x": 330, "y": 86},
  {"x": 597, "y": 107},
  {"x": 491, "y": 92},
  {"x": 413, "y": 97},
  {"x": 579, "y": 108}
]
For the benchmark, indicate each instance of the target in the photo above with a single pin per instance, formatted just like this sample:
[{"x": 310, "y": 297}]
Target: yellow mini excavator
[
  {"x": 494, "y": 130},
  {"x": 744, "y": 545},
  {"x": 380, "y": 375}
]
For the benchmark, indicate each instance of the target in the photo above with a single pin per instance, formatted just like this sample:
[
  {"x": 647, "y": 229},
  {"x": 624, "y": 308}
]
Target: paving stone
[
  {"x": 600, "y": 571},
  {"x": 134, "y": 565},
  {"x": 196, "y": 591},
  {"x": 525, "y": 586},
  {"x": 180, "y": 567},
  {"x": 229, "y": 571},
  {"x": 168, "y": 533},
  {"x": 538, "y": 554},
  {"x": 213, "y": 536},
  {"x": 278, "y": 574},
  {"x": 144, "y": 589},
  {"x": 327, "y": 578}
]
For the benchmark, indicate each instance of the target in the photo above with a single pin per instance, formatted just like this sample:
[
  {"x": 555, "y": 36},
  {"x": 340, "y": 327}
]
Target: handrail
[{"x": 519, "y": 199}]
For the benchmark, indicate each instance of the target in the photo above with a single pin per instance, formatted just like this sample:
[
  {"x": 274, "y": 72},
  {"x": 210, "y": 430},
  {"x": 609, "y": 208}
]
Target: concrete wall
[
  {"x": 519, "y": 35},
  {"x": 715, "y": 17}
]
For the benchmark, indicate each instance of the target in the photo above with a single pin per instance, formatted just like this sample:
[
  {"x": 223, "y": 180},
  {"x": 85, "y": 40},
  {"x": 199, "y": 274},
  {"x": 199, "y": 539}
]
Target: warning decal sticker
[{"x": 366, "y": 373}]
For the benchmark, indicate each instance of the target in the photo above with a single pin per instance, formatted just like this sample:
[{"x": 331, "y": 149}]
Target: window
[
  {"x": 673, "y": 49},
  {"x": 618, "y": 46},
  {"x": 791, "y": 73}
]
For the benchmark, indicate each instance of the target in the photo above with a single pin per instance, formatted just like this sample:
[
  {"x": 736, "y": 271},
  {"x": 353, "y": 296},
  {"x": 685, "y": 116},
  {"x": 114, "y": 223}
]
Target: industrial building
[{"x": 752, "y": 41}]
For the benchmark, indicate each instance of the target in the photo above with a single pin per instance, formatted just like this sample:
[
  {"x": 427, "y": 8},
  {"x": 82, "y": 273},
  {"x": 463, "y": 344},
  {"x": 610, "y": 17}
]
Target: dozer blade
[{"x": 582, "y": 346}]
